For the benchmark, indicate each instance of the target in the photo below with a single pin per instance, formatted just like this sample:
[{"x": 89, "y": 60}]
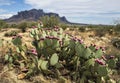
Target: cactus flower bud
[
  {"x": 99, "y": 61},
  {"x": 42, "y": 38},
  {"x": 13, "y": 37},
  {"x": 47, "y": 36},
  {"x": 103, "y": 49},
  {"x": 97, "y": 48},
  {"x": 94, "y": 45},
  {"x": 33, "y": 51},
  {"x": 74, "y": 39},
  {"x": 20, "y": 36},
  {"x": 80, "y": 41},
  {"x": 111, "y": 57}
]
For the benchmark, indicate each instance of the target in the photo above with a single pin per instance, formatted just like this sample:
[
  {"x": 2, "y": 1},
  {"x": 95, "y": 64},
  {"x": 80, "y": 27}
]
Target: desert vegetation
[{"x": 48, "y": 51}]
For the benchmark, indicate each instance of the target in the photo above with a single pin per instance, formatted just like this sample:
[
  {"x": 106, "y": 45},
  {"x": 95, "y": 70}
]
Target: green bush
[
  {"x": 63, "y": 26},
  {"x": 50, "y": 21},
  {"x": 32, "y": 24},
  {"x": 100, "y": 32},
  {"x": 3, "y": 24},
  {"x": 23, "y": 26},
  {"x": 82, "y": 29},
  {"x": 117, "y": 27},
  {"x": 13, "y": 25},
  {"x": 116, "y": 42}
]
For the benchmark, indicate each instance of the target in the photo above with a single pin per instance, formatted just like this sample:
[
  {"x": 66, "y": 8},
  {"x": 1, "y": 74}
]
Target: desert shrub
[
  {"x": 100, "y": 32},
  {"x": 3, "y": 24},
  {"x": 116, "y": 42},
  {"x": 63, "y": 26},
  {"x": 11, "y": 33},
  {"x": 31, "y": 24},
  {"x": 82, "y": 29},
  {"x": 13, "y": 25},
  {"x": 23, "y": 26},
  {"x": 49, "y": 21},
  {"x": 92, "y": 26},
  {"x": 117, "y": 27}
]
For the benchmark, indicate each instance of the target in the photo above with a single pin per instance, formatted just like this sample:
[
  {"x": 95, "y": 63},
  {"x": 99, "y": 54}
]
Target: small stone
[{"x": 21, "y": 76}]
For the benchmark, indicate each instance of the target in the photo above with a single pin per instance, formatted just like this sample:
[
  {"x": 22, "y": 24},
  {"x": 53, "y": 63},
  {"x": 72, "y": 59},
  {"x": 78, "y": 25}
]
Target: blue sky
[{"x": 80, "y": 11}]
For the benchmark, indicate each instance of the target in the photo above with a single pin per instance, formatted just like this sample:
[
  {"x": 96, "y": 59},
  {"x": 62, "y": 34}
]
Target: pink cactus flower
[
  {"x": 33, "y": 51},
  {"x": 34, "y": 27},
  {"x": 97, "y": 48},
  {"x": 80, "y": 41},
  {"x": 100, "y": 61},
  {"x": 103, "y": 48}
]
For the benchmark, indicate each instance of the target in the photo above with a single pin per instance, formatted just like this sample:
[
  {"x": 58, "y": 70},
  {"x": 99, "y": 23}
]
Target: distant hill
[{"x": 33, "y": 15}]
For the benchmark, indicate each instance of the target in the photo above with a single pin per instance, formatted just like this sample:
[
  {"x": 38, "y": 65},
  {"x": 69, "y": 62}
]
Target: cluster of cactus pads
[{"x": 58, "y": 55}]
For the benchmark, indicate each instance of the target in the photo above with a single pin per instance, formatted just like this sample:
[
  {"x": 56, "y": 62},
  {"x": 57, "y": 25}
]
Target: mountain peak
[{"x": 33, "y": 15}]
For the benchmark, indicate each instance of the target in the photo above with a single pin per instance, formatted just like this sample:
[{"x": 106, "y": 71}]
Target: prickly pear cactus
[
  {"x": 17, "y": 40},
  {"x": 55, "y": 52},
  {"x": 54, "y": 59}
]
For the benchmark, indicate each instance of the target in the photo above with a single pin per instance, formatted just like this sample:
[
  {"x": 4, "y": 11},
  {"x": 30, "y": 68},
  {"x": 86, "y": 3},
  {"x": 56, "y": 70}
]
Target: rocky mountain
[{"x": 33, "y": 15}]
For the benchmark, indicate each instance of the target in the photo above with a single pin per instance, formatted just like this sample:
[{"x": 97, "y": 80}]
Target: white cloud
[
  {"x": 4, "y": 13},
  {"x": 79, "y": 8},
  {"x": 6, "y": 2},
  {"x": 4, "y": 16}
]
